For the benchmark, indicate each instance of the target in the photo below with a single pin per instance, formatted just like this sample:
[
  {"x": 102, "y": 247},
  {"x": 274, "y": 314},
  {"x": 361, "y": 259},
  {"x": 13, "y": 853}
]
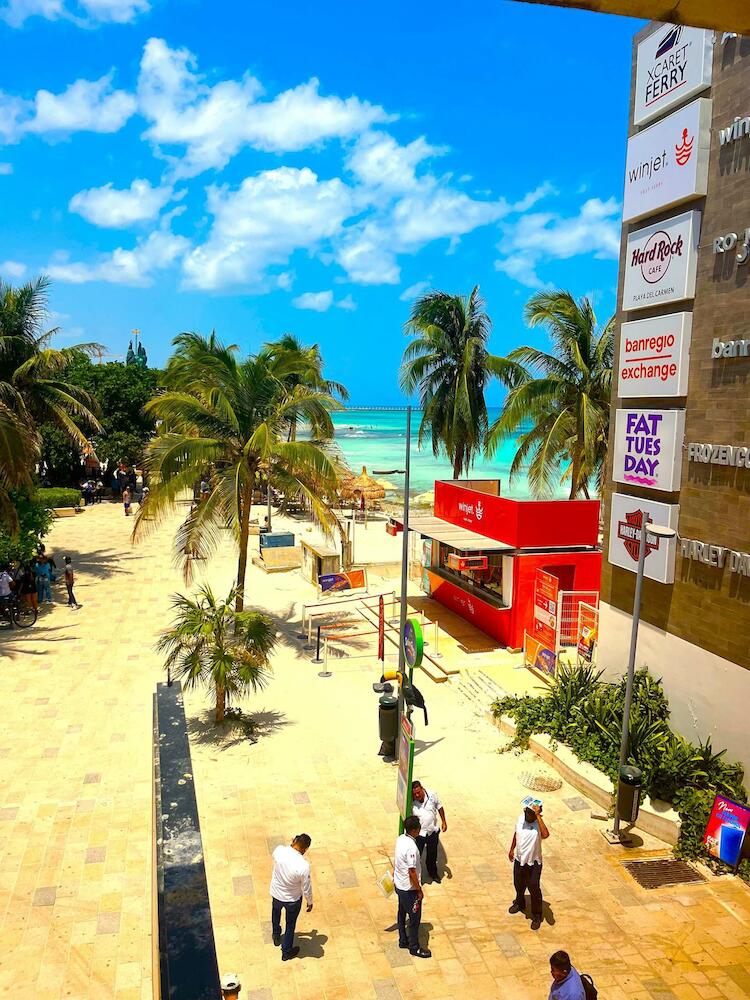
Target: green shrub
[
  {"x": 58, "y": 496},
  {"x": 33, "y": 524},
  {"x": 584, "y": 712}
]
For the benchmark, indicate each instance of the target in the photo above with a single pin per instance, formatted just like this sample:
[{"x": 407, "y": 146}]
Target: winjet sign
[
  {"x": 667, "y": 163},
  {"x": 660, "y": 262},
  {"x": 672, "y": 64}
]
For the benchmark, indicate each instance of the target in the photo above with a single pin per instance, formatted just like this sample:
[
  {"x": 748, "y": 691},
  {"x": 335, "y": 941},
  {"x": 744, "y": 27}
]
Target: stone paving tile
[
  {"x": 300, "y": 798},
  {"x": 45, "y": 896},
  {"x": 577, "y": 804},
  {"x": 242, "y": 885},
  {"x": 346, "y": 878},
  {"x": 386, "y": 989},
  {"x": 95, "y": 854}
]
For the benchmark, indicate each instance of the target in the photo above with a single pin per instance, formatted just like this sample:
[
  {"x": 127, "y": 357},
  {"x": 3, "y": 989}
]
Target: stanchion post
[
  {"x": 317, "y": 658},
  {"x": 436, "y": 654}
]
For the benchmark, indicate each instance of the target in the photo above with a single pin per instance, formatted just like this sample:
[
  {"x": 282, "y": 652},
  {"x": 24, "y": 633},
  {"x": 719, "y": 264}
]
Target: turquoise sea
[{"x": 377, "y": 439}]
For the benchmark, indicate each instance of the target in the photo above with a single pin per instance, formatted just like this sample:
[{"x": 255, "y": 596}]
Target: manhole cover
[
  {"x": 538, "y": 781},
  {"x": 655, "y": 873}
]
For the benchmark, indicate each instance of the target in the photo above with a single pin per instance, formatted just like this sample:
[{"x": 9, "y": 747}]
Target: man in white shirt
[
  {"x": 428, "y": 809},
  {"x": 526, "y": 854},
  {"x": 407, "y": 868},
  {"x": 6, "y": 584},
  {"x": 289, "y": 882}
]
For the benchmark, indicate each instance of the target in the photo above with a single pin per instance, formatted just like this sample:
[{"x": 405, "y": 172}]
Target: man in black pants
[
  {"x": 526, "y": 854},
  {"x": 289, "y": 883},
  {"x": 428, "y": 809},
  {"x": 407, "y": 868}
]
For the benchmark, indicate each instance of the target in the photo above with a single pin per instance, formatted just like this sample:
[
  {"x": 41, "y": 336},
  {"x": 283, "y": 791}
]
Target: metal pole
[
  {"x": 404, "y": 582},
  {"x": 268, "y": 497},
  {"x": 631, "y": 662}
]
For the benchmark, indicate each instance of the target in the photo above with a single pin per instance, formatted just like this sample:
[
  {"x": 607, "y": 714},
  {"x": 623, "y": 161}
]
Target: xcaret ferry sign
[
  {"x": 672, "y": 64},
  {"x": 660, "y": 262}
]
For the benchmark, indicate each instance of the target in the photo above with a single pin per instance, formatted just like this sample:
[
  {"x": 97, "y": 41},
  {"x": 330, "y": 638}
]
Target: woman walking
[{"x": 43, "y": 577}]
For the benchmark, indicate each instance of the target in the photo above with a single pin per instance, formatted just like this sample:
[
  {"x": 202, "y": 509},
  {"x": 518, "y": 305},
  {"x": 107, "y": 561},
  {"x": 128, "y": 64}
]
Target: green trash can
[
  {"x": 387, "y": 724},
  {"x": 629, "y": 793}
]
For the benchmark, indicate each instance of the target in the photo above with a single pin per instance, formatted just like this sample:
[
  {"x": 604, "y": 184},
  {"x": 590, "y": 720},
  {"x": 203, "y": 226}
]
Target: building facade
[{"x": 680, "y": 443}]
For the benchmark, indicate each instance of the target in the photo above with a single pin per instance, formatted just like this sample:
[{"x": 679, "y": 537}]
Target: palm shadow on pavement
[{"x": 247, "y": 728}]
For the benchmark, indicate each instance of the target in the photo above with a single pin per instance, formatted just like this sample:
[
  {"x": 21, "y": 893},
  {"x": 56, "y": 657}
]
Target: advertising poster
[
  {"x": 726, "y": 829},
  {"x": 355, "y": 579},
  {"x": 626, "y": 518},
  {"x": 654, "y": 356},
  {"x": 672, "y": 64},
  {"x": 648, "y": 448},
  {"x": 405, "y": 765},
  {"x": 538, "y": 656},
  {"x": 545, "y": 609},
  {"x": 660, "y": 262},
  {"x": 586, "y": 640},
  {"x": 667, "y": 163}
]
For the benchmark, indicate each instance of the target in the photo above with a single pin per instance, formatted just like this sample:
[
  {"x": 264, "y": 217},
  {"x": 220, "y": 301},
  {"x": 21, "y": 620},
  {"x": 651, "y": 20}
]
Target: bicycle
[{"x": 15, "y": 612}]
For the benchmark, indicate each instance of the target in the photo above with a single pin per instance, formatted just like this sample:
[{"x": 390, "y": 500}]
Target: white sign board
[
  {"x": 660, "y": 262},
  {"x": 667, "y": 163},
  {"x": 626, "y": 518},
  {"x": 648, "y": 448},
  {"x": 672, "y": 64},
  {"x": 654, "y": 356}
]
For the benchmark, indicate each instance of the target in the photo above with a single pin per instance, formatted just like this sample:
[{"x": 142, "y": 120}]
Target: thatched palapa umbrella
[{"x": 362, "y": 486}]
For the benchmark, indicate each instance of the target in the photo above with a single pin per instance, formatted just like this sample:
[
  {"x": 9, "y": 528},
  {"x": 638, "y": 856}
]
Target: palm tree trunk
[
  {"x": 575, "y": 476},
  {"x": 246, "y": 503},
  {"x": 221, "y": 700}
]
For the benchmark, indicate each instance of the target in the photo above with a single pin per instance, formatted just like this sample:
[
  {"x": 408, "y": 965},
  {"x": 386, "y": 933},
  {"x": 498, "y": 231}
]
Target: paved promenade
[{"x": 75, "y": 820}]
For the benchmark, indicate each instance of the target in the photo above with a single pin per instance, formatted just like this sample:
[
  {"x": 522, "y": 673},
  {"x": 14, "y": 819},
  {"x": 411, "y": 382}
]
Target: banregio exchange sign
[
  {"x": 648, "y": 448},
  {"x": 672, "y": 64},
  {"x": 667, "y": 163},
  {"x": 654, "y": 356},
  {"x": 660, "y": 262}
]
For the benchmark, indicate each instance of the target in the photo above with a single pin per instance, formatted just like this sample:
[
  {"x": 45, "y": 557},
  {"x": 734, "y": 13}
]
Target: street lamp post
[{"x": 660, "y": 531}]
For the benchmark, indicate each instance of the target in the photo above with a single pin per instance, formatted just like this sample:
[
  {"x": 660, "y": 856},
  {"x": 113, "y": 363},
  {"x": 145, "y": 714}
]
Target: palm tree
[
  {"x": 33, "y": 389},
  {"x": 231, "y": 418},
  {"x": 211, "y": 643},
  {"x": 559, "y": 400},
  {"x": 297, "y": 365},
  {"x": 449, "y": 365}
]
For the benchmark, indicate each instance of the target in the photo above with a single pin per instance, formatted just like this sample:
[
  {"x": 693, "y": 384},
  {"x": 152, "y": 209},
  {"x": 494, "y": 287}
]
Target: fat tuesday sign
[
  {"x": 626, "y": 519},
  {"x": 672, "y": 64},
  {"x": 660, "y": 262},
  {"x": 667, "y": 163},
  {"x": 648, "y": 448},
  {"x": 654, "y": 356}
]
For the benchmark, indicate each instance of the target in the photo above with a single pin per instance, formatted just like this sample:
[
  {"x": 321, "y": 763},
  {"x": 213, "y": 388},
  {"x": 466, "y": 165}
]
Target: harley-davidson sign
[{"x": 626, "y": 521}]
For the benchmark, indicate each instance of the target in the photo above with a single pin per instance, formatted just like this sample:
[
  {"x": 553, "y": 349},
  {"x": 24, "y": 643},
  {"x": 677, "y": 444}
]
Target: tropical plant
[
  {"x": 230, "y": 418},
  {"x": 295, "y": 365},
  {"x": 33, "y": 388},
  {"x": 558, "y": 402},
  {"x": 33, "y": 519},
  {"x": 212, "y": 644},
  {"x": 449, "y": 366}
]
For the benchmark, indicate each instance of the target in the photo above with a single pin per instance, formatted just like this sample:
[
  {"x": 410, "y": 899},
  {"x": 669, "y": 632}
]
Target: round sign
[{"x": 413, "y": 642}]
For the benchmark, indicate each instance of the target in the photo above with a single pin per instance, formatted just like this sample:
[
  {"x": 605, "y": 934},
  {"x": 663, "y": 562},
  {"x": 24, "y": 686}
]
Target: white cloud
[
  {"x": 12, "y": 269},
  {"x": 378, "y": 161},
  {"x": 347, "y": 304},
  {"x": 545, "y": 236},
  {"x": 317, "y": 301},
  {"x": 15, "y": 12},
  {"x": 5, "y": 169},
  {"x": 367, "y": 255},
  {"x": 215, "y": 122},
  {"x": 116, "y": 208},
  {"x": 263, "y": 222},
  {"x": 158, "y": 251},
  {"x": 414, "y": 291},
  {"x": 13, "y": 110},
  {"x": 86, "y": 105}
]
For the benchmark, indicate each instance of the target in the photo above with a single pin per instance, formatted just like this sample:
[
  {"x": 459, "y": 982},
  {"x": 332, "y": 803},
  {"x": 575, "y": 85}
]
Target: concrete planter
[
  {"x": 65, "y": 511},
  {"x": 656, "y": 818}
]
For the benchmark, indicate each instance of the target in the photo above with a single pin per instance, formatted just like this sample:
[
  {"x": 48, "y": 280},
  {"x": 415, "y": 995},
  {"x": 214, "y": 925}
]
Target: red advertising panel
[
  {"x": 726, "y": 829},
  {"x": 381, "y": 629},
  {"x": 545, "y": 609}
]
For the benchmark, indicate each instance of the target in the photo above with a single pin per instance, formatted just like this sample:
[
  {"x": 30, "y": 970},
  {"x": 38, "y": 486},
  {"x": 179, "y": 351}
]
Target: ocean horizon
[{"x": 375, "y": 437}]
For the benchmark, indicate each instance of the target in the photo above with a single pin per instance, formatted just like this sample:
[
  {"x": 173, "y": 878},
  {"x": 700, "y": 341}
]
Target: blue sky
[{"x": 266, "y": 168}]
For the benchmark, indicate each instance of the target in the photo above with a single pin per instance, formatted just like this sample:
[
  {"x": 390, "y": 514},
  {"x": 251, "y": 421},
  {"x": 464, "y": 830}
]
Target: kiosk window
[{"x": 489, "y": 579}]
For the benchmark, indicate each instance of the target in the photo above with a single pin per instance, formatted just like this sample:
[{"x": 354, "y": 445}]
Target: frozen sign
[
  {"x": 667, "y": 163},
  {"x": 672, "y": 64},
  {"x": 660, "y": 262},
  {"x": 625, "y": 521},
  {"x": 654, "y": 356},
  {"x": 648, "y": 448}
]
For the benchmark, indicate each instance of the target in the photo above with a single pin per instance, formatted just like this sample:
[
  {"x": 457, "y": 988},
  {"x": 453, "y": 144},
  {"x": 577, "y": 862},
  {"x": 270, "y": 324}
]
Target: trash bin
[
  {"x": 629, "y": 793},
  {"x": 387, "y": 724}
]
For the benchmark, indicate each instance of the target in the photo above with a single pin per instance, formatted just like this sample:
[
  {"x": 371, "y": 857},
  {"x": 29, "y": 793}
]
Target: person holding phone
[{"x": 526, "y": 854}]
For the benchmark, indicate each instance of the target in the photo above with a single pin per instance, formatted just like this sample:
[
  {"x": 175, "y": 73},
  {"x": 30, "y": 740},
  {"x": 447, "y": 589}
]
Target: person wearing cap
[
  {"x": 289, "y": 883},
  {"x": 526, "y": 854},
  {"x": 428, "y": 809},
  {"x": 230, "y": 986}
]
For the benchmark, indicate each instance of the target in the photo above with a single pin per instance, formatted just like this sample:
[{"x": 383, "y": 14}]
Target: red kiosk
[{"x": 481, "y": 552}]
